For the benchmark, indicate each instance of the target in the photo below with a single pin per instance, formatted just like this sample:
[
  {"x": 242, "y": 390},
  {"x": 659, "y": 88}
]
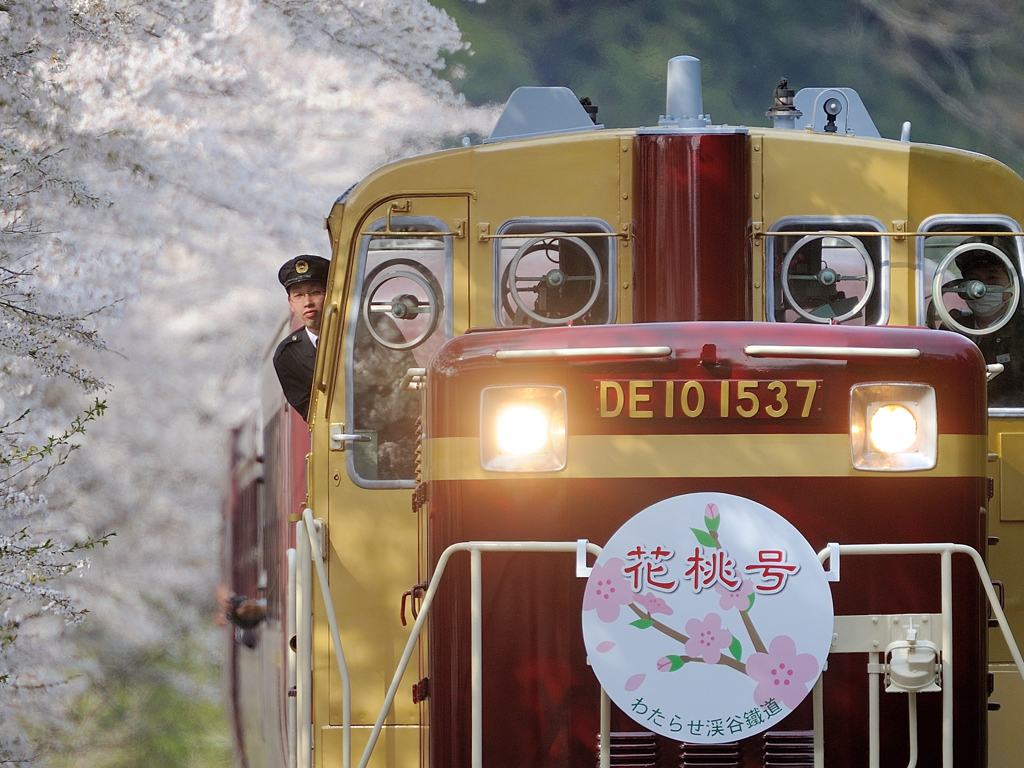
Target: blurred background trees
[
  {"x": 954, "y": 69},
  {"x": 44, "y": 408},
  {"x": 159, "y": 160}
]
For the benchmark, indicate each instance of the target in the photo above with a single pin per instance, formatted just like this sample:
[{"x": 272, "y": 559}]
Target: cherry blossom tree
[
  {"x": 160, "y": 160},
  {"x": 41, "y": 327}
]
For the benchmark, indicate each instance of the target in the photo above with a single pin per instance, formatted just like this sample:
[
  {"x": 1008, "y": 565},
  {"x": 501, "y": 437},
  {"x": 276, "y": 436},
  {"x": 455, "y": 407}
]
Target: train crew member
[
  {"x": 987, "y": 268},
  {"x": 241, "y": 611},
  {"x": 305, "y": 279},
  {"x": 1002, "y": 346},
  {"x": 244, "y": 612}
]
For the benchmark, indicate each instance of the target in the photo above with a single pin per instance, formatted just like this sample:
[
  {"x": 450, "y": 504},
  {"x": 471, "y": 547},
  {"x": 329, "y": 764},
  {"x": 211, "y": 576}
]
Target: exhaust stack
[
  {"x": 691, "y": 211},
  {"x": 684, "y": 104}
]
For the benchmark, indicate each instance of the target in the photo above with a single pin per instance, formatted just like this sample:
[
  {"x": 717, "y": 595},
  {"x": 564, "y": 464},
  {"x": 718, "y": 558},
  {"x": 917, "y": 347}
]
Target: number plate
[{"x": 709, "y": 399}]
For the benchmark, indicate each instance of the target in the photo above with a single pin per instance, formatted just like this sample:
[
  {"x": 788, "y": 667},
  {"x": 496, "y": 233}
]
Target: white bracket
[
  {"x": 321, "y": 538},
  {"x": 582, "y": 569},
  {"x": 832, "y": 574},
  {"x": 414, "y": 379},
  {"x": 875, "y": 633}
]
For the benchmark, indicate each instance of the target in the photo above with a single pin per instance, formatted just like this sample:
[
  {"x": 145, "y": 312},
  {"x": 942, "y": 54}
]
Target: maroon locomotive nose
[{"x": 692, "y": 225}]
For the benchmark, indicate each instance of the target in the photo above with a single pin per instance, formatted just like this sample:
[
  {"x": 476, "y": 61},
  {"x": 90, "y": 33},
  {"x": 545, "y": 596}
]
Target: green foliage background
[
  {"x": 162, "y": 709},
  {"x": 948, "y": 67}
]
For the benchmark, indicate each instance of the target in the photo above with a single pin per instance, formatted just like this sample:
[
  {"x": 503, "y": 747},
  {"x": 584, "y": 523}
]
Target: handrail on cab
[
  {"x": 323, "y": 365},
  {"x": 332, "y": 620},
  {"x": 581, "y": 549},
  {"x": 946, "y": 551}
]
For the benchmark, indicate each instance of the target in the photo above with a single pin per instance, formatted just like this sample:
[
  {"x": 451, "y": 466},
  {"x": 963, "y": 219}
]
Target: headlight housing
[
  {"x": 893, "y": 427},
  {"x": 522, "y": 429}
]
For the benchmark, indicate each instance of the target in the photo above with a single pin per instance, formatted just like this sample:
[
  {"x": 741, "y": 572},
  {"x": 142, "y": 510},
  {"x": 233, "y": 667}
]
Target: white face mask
[{"x": 988, "y": 305}]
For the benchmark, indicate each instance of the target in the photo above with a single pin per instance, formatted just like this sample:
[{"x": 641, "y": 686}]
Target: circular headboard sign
[{"x": 707, "y": 618}]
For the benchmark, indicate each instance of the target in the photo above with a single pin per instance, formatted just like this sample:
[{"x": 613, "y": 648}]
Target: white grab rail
[
  {"x": 332, "y": 621},
  {"x": 946, "y": 551},
  {"x": 474, "y": 548},
  {"x": 290, "y": 674},
  {"x": 303, "y": 651},
  {"x": 309, "y": 549}
]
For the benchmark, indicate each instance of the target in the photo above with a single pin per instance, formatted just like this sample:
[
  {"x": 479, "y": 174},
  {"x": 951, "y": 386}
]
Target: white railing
[
  {"x": 290, "y": 678},
  {"x": 875, "y": 669},
  {"x": 308, "y": 543},
  {"x": 311, "y": 549},
  {"x": 310, "y": 554},
  {"x": 303, "y": 589}
]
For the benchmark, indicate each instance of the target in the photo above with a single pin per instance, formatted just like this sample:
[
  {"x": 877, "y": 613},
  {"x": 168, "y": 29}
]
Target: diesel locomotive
[{"x": 685, "y": 445}]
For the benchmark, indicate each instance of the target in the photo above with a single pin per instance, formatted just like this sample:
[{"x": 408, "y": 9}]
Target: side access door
[{"x": 407, "y": 293}]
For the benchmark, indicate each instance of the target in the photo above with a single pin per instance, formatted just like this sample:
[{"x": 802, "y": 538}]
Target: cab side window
[
  {"x": 969, "y": 281},
  {"x": 550, "y": 272},
  {"x": 400, "y": 318},
  {"x": 821, "y": 270}
]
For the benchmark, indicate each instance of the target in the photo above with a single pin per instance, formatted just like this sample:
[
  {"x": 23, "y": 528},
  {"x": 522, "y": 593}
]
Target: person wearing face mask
[
  {"x": 987, "y": 268},
  {"x": 1004, "y": 346}
]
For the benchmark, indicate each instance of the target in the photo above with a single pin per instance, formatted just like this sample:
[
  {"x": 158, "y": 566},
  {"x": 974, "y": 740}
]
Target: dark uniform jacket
[
  {"x": 294, "y": 362},
  {"x": 1006, "y": 347}
]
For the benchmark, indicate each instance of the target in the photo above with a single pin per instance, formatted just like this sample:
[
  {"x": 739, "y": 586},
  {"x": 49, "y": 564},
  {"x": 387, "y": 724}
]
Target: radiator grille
[
  {"x": 631, "y": 749},
  {"x": 789, "y": 749},
  {"x": 718, "y": 755}
]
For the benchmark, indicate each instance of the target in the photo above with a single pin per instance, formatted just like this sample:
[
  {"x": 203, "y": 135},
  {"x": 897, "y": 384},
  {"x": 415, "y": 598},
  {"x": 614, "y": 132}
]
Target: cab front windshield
[{"x": 972, "y": 286}]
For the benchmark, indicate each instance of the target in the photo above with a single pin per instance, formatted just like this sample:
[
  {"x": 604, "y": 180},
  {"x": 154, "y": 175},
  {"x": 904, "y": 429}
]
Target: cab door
[{"x": 407, "y": 293}]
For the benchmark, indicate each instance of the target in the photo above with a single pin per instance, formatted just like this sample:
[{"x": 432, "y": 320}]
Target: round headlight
[
  {"x": 522, "y": 430},
  {"x": 893, "y": 429}
]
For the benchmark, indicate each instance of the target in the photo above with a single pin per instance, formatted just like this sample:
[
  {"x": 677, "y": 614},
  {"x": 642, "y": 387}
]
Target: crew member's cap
[
  {"x": 303, "y": 269},
  {"x": 978, "y": 257}
]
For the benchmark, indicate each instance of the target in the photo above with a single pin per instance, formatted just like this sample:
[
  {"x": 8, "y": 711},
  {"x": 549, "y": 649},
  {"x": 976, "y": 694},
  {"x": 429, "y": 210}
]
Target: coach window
[
  {"x": 822, "y": 270},
  {"x": 550, "y": 272},
  {"x": 404, "y": 286},
  {"x": 969, "y": 281}
]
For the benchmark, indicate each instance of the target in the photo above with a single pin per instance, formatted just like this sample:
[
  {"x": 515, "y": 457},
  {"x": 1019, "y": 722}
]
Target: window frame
[
  {"x": 446, "y": 326},
  {"x": 824, "y": 225},
  {"x": 550, "y": 225},
  {"x": 965, "y": 222}
]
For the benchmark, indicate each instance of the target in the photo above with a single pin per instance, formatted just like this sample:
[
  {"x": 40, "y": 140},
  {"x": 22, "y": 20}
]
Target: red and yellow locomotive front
[{"x": 567, "y": 433}]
